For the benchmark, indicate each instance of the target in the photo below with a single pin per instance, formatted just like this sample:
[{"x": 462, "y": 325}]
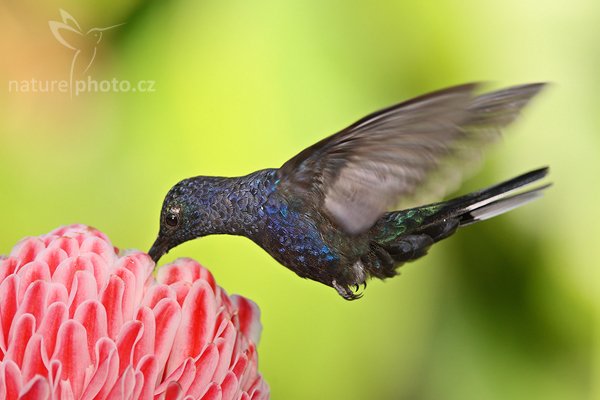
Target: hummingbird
[{"x": 328, "y": 213}]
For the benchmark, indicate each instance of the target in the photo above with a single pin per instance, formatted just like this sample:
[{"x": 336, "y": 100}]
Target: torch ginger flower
[{"x": 80, "y": 321}]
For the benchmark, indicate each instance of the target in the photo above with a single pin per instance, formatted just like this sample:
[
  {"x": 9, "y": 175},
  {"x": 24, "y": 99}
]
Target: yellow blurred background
[{"x": 506, "y": 309}]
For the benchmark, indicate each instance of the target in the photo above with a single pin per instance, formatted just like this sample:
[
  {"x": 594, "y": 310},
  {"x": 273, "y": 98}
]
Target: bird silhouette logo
[{"x": 84, "y": 44}]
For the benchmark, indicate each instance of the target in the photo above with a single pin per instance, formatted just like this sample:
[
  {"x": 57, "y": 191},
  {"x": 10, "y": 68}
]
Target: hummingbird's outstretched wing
[{"x": 362, "y": 171}]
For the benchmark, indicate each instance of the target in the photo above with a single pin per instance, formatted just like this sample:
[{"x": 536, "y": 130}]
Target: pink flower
[{"x": 78, "y": 320}]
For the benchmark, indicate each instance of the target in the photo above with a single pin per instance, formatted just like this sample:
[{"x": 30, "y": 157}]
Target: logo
[{"x": 84, "y": 44}]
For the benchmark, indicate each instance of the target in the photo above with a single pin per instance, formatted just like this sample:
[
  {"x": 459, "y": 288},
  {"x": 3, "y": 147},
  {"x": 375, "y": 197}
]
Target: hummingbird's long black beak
[{"x": 158, "y": 249}]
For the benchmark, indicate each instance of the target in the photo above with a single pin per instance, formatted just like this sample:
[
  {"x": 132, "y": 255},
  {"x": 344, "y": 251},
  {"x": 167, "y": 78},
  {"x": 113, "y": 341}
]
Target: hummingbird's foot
[{"x": 346, "y": 292}]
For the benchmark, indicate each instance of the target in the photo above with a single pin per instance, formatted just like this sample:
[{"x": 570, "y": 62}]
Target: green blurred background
[{"x": 507, "y": 309}]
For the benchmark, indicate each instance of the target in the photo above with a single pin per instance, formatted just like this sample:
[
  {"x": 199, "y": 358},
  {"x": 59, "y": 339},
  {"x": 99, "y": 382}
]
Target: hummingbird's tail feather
[
  {"x": 505, "y": 204},
  {"x": 489, "y": 202},
  {"x": 406, "y": 235}
]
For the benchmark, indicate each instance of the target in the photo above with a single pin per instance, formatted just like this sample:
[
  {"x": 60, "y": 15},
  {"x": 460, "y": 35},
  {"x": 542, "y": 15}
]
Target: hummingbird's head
[{"x": 185, "y": 215}]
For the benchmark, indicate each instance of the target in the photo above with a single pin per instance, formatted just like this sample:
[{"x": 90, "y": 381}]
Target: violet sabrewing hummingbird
[{"x": 327, "y": 213}]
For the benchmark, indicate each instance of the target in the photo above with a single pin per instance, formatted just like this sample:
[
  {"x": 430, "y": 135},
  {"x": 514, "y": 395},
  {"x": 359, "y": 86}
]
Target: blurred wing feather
[{"x": 360, "y": 172}]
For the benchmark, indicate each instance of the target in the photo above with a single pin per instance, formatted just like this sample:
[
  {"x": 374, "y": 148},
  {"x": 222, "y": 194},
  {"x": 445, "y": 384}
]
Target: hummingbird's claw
[{"x": 345, "y": 291}]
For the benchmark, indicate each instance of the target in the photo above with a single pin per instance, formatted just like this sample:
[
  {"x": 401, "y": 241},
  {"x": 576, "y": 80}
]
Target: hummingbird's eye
[{"x": 172, "y": 218}]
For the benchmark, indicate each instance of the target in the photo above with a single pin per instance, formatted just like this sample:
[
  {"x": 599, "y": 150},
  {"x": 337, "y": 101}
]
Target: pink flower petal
[
  {"x": 27, "y": 250},
  {"x": 10, "y": 380},
  {"x": 213, "y": 393},
  {"x": 145, "y": 345},
  {"x": 21, "y": 331},
  {"x": 130, "y": 334},
  {"x": 65, "y": 272},
  {"x": 54, "y": 378},
  {"x": 112, "y": 298},
  {"x": 71, "y": 351},
  {"x": 258, "y": 390},
  {"x": 252, "y": 368},
  {"x": 249, "y": 317},
  {"x": 31, "y": 273},
  {"x": 206, "y": 366},
  {"x": 34, "y": 302},
  {"x": 8, "y": 299},
  {"x": 156, "y": 293},
  {"x": 36, "y": 389},
  {"x": 223, "y": 317},
  {"x": 197, "y": 324},
  {"x": 57, "y": 293},
  {"x": 148, "y": 366},
  {"x": 240, "y": 366},
  {"x": 182, "y": 375},
  {"x": 205, "y": 275},
  {"x": 68, "y": 245},
  {"x": 96, "y": 245},
  {"x": 7, "y": 267},
  {"x": 174, "y": 391},
  {"x": 56, "y": 315},
  {"x": 174, "y": 273},
  {"x": 128, "y": 301},
  {"x": 225, "y": 345},
  {"x": 123, "y": 388},
  {"x": 138, "y": 385},
  {"x": 141, "y": 266},
  {"x": 106, "y": 370},
  {"x": 47, "y": 239},
  {"x": 92, "y": 315},
  {"x": 229, "y": 387},
  {"x": 52, "y": 257},
  {"x": 185, "y": 270},
  {"x": 33, "y": 363},
  {"x": 181, "y": 289},
  {"x": 101, "y": 270},
  {"x": 66, "y": 391},
  {"x": 168, "y": 316},
  {"x": 187, "y": 374},
  {"x": 84, "y": 288}
]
